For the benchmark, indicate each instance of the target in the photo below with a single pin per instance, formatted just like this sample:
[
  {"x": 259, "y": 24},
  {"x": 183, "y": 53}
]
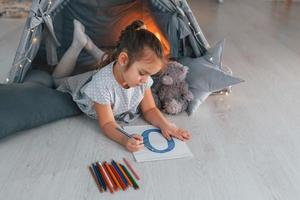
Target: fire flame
[{"x": 152, "y": 26}]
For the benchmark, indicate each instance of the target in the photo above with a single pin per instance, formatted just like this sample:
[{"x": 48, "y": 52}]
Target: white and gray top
[{"x": 102, "y": 87}]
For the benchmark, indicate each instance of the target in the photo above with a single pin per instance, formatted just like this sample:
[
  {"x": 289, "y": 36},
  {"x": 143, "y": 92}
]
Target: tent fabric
[
  {"x": 199, "y": 36},
  {"x": 49, "y": 29},
  {"x": 30, "y": 41}
]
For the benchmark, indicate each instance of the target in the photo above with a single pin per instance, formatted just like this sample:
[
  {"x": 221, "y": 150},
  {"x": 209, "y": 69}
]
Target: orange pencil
[
  {"x": 131, "y": 169},
  {"x": 119, "y": 183},
  {"x": 95, "y": 179},
  {"x": 123, "y": 185},
  {"x": 125, "y": 175},
  {"x": 105, "y": 177},
  {"x": 114, "y": 179},
  {"x": 114, "y": 186}
]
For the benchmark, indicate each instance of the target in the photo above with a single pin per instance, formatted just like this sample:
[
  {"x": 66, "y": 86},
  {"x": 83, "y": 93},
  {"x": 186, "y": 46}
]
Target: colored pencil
[
  {"x": 135, "y": 185},
  {"x": 113, "y": 177},
  {"x": 125, "y": 175},
  {"x": 131, "y": 168},
  {"x": 100, "y": 179},
  {"x": 115, "y": 187},
  {"x": 95, "y": 179},
  {"x": 123, "y": 186},
  {"x": 105, "y": 177},
  {"x": 124, "y": 132},
  {"x": 114, "y": 164}
]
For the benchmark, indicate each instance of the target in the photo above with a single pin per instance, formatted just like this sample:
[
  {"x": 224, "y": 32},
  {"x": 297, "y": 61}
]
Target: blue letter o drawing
[{"x": 145, "y": 134}]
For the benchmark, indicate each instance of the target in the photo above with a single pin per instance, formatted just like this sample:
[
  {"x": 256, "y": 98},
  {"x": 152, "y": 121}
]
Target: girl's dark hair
[{"x": 134, "y": 38}]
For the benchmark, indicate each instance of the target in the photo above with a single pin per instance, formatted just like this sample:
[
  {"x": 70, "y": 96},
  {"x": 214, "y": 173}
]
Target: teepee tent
[
  {"x": 49, "y": 27},
  {"x": 29, "y": 99}
]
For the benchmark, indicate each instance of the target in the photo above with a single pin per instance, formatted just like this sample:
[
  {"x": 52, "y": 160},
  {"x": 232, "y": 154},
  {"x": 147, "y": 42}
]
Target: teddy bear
[{"x": 170, "y": 90}]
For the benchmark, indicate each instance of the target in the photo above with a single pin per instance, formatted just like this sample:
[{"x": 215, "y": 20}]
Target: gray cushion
[
  {"x": 27, "y": 105},
  {"x": 41, "y": 77},
  {"x": 205, "y": 76}
]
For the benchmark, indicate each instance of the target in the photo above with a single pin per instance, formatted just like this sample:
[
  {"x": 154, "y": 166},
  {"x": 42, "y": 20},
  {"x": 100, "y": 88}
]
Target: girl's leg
[
  {"x": 93, "y": 50},
  {"x": 67, "y": 63}
]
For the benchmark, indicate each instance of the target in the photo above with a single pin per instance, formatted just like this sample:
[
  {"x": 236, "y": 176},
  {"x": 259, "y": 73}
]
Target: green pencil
[{"x": 135, "y": 185}]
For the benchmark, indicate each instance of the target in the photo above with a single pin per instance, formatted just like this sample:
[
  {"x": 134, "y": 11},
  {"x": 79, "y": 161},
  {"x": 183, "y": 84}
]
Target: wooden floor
[{"x": 245, "y": 145}]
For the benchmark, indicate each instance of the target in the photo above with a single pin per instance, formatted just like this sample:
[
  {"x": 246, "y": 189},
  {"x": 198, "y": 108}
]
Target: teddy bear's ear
[{"x": 185, "y": 68}]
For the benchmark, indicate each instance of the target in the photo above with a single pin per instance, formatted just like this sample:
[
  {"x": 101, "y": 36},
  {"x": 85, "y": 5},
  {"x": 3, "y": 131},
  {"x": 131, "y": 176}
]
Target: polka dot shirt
[{"x": 104, "y": 89}]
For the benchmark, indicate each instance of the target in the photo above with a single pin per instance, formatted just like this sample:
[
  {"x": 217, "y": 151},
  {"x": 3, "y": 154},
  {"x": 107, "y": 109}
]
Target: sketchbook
[{"x": 156, "y": 146}]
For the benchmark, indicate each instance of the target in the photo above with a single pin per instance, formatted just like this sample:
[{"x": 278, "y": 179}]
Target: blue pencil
[
  {"x": 114, "y": 164},
  {"x": 99, "y": 177}
]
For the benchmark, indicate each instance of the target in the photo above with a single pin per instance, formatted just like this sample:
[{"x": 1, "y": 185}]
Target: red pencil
[
  {"x": 131, "y": 169},
  {"x": 105, "y": 177},
  {"x": 95, "y": 179}
]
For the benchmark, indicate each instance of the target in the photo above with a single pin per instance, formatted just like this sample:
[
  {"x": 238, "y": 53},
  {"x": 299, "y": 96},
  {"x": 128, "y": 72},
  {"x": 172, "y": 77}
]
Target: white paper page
[{"x": 157, "y": 141}]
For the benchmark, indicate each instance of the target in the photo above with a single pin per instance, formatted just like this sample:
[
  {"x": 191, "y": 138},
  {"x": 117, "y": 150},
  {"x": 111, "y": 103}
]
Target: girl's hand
[
  {"x": 135, "y": 143},
  {"x": 172, "y": 131}
]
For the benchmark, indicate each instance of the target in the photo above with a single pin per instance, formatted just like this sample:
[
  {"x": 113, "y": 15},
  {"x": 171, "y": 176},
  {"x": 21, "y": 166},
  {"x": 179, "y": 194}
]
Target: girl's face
[{"x": 138, "y": 72}]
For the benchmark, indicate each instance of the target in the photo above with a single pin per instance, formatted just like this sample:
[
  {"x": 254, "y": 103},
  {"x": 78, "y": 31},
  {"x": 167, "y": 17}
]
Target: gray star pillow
[{"x": 205, "y": 75}]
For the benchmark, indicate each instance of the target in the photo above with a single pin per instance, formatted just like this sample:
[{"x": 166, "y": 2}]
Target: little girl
[{"x": 122, "y": 87}]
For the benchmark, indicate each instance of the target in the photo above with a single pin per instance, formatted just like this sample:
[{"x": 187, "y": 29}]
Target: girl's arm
[
  {"x": 108, "y": 125},
  {"x": 153, "y": 115}
]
